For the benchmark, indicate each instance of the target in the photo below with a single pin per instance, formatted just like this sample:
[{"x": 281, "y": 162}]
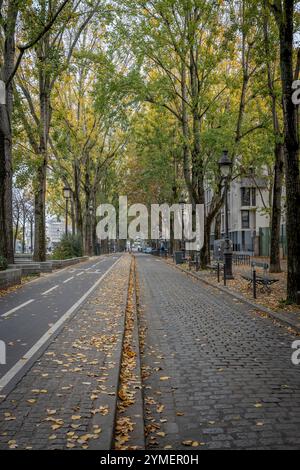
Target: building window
[
  {"x": 223, "y": 223},
  {"x": 248, "y": 197},
  {"x": 245, "y": 219},
  {"x": 253, "y": 197}
]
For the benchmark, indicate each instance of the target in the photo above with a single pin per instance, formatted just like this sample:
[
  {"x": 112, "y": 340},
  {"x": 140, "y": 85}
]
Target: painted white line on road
[
  {"x": 17, "y": 308},
  {"x": 68, "y": 280},
  {"x": 20, "y": 364},
  {"x": 50, "y": 290},
  {"x": 99, "y": 262},
  {"x": 80, "y": 274}
]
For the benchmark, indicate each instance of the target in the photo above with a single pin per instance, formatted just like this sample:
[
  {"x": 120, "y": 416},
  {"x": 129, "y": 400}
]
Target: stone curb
[
  {"x": 137, "y": 409},
  {"x": 138, "y": 435},
  {"x": 10, "y": 278},
  {"x": 274, "y": 315},
  {"x": 112, "y": 401}
]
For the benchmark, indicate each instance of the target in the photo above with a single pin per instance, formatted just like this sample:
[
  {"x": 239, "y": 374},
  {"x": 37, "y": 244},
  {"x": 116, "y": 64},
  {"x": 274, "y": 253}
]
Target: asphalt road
[{"x": 32, "y": 316}]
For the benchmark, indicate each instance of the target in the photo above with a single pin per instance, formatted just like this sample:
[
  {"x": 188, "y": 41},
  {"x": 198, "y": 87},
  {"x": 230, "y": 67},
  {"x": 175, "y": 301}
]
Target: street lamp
[
  {"x": 225, "y": 165},
  {"x": 182, "y": 203},
  {"x": 67, "y": 196}
]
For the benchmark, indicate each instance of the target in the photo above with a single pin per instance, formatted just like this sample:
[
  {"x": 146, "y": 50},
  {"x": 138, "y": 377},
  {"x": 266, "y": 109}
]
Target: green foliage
[
  {"x": 3, "y": 263},
  {"x": 69, "y": 247}
]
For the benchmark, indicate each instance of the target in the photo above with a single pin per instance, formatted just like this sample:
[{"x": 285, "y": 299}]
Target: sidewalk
[
  {"x": 68, "y": 399},
  {"x": 270, "y": 303}
]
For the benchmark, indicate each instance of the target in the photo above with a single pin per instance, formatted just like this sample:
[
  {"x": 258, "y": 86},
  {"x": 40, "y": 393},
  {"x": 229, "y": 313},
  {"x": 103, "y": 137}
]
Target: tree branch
[{"x": 30, "y": 44}]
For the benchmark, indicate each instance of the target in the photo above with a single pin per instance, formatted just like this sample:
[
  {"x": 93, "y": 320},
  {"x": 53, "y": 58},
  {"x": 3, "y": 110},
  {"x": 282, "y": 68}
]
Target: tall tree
[
  {"x": 270, "y": 58},
  {"x": 284, "y": 13},
  {"x": 10, "y": 10},
  {"x": 51, "y": 56}
]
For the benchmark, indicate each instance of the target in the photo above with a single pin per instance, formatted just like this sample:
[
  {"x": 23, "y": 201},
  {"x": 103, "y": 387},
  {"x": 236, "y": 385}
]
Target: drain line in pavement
[{"x": 129, "y": 425}]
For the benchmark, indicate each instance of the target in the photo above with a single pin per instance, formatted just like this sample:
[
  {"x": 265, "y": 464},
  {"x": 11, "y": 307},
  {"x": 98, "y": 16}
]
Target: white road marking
[
  {"x": 80, "y": 274},
  {"x": 20, "y": 364},
  {"x": 17, "y": 308},
  {"x": 99, "y": 262},
  {"x": 68, "y": 280},
  {"x": 50, "y": 290}
]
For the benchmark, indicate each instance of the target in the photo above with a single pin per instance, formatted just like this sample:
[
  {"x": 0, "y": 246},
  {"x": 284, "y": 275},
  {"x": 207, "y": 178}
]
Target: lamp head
[
  {"x": 225, "y": 164},
  {"x": 67, "y": 192}
]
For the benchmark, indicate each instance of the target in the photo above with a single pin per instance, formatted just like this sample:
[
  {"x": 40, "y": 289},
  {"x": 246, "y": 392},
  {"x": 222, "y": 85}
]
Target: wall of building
[
  {"x": 247, "y": 222},
  {"x": 55, "y": 231}
]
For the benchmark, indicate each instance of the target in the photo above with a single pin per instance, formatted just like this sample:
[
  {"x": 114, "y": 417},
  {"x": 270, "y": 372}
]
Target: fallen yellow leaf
[{"x": 76, "y": 418}]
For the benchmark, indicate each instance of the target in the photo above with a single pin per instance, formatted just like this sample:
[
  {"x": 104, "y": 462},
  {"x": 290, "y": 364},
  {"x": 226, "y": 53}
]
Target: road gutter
[{"x": 129, "y": 422}]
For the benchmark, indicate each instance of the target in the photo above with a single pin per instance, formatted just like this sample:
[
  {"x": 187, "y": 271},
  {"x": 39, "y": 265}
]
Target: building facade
[
  {"x": 248, "y": 214},
  {"x": 55, "y": 231}
]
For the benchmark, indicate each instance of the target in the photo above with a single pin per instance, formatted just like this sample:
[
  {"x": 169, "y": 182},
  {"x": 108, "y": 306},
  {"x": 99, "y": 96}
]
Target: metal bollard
[
  {"x": 218, "y": 273},
  {"x": 254, "y": 284}
]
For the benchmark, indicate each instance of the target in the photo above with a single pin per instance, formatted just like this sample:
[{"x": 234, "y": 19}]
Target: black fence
[{"x": 241, "y": 259}]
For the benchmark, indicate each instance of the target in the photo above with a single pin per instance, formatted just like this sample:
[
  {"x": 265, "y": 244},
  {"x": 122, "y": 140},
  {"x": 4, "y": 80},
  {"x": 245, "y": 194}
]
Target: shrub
[
  {"x": 70, "y": 246},
  {"x": 3, "y": 263}
]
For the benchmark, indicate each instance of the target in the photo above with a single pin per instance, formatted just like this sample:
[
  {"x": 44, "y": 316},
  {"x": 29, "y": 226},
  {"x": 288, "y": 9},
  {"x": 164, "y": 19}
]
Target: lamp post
[
  {"x": 225, "y": 165},
  {"x": 67, "y": 196},
  {"x": 182, "y": 203}
]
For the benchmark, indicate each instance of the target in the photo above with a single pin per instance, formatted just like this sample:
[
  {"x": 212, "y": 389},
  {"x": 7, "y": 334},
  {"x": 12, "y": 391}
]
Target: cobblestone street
[{"x": 216, "y": 374}]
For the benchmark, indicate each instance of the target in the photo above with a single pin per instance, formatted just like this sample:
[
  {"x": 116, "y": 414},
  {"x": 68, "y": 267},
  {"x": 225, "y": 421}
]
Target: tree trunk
[
  {"x": 77, "y": 202},
  {"x": 73, "y": 216},
  {"x": 94, "y": 235},
  {"x": 40, "y": 215},
  {"x": 88, "y": 201},
  {"x": 205, "y": 252},
  {"x": 3, "y": 177},
  {"x": 185, "y": 128},
  {"x": 218, "y": 227},
  {"x": 31, "y": 236},
  {"x": 275, "y": 266},
  {"x": 6, "y": 215},
  {"x": 16, "y": 233},
  {"x": 285, "y": 21},
  {"x": 40, "y": 247},
  {"x": 23, "y": 235}
]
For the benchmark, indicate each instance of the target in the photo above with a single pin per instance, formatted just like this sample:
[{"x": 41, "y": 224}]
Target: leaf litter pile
[
  {"x": 130, "y": 381},
  {"x": 67, "y": 399}
]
